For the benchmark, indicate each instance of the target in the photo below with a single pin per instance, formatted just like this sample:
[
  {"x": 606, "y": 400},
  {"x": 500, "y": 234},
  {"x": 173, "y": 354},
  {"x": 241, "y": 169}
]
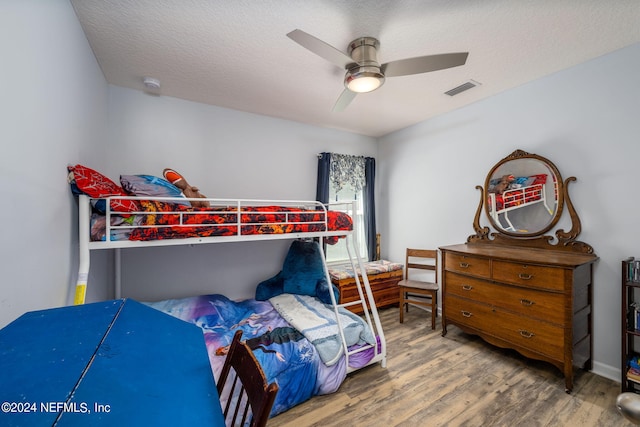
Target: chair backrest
[
  {"x": 423, "y": 259},
  {"x": 243, "y": 385}
]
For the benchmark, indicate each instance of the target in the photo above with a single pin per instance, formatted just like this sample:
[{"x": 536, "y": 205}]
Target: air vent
[{"x": 465, "y": 86}]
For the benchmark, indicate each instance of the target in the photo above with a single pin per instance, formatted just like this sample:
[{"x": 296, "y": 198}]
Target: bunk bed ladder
[{"x": 368, "y": 304}]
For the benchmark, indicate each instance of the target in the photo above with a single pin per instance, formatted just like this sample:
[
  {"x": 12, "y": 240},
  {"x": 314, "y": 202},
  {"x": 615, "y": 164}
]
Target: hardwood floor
[{"x": 457, "y": 380}]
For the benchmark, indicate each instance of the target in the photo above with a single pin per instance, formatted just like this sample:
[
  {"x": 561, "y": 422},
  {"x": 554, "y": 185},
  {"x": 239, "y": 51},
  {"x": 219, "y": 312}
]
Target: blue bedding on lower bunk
[{"x": 286, "y": 356}]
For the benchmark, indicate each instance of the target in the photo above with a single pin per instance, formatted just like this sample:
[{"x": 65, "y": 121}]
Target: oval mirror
[{"x": 524, "y": 195}]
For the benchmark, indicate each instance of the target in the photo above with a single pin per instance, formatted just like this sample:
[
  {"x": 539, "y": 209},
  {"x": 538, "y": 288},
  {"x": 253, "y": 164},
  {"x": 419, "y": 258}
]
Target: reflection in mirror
[{"x": 523, "y": 195}]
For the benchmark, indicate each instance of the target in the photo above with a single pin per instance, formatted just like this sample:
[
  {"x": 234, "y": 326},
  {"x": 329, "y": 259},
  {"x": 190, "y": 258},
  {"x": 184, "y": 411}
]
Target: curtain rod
[{"x": 353, "y": 155}]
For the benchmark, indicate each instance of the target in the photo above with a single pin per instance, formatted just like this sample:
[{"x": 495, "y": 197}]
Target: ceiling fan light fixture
[
  {"x": 364, "y": 72},
  {"x": 363, "y": 79}
]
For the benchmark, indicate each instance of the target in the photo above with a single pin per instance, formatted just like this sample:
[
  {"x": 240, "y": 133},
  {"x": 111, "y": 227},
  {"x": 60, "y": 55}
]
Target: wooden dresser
[
  {"x": 537, "y": 302},
  {"x": 383, "y": 278}
]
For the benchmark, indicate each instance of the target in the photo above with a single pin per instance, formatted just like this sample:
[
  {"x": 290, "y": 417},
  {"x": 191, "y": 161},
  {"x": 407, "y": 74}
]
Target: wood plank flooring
[{"x": 457, "y": 380}]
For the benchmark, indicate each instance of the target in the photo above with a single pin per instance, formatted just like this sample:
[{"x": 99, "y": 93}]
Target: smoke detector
[{"x": 151, "y": 83}]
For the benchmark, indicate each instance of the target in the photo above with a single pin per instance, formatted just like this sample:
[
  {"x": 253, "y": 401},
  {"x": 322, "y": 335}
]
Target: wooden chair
[
  {"x": 245, "y": 386},
  {"x": 420, "y": 292}
]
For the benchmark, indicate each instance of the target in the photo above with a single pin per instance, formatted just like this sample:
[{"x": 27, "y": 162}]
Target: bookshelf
[{"x": 630, "y": 367}]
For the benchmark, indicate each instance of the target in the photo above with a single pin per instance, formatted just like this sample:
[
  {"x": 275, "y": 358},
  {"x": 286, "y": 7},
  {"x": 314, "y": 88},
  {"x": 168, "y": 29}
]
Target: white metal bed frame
[
  {"x": 522, "y": 193},
  {"x": 367, "y": 301}
]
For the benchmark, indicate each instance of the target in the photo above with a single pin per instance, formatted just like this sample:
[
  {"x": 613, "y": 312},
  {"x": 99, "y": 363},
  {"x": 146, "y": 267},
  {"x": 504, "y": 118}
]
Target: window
[
  {"x": 345, "y": 178},
  {"x": 346, "y": 197}
]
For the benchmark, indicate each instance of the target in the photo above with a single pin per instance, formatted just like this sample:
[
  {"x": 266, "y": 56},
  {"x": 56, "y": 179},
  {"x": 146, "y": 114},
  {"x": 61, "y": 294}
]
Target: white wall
[
  {"x": 53, "y": 112},
  {"x": 226, "y": 154},
  {"x": 584, "y": 119}
]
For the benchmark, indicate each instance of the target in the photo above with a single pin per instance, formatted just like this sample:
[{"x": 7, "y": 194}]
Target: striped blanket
[{"x": 317, "y": 322}]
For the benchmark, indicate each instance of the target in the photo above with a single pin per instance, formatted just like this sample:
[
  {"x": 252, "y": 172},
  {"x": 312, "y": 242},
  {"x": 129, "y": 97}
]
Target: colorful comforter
[
  {"x": 286, "y": 356},
  {"x": 160, "y": 220}
]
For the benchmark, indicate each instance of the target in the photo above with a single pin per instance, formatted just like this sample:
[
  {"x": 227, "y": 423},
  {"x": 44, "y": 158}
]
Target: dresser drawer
[
  {"x": 387, "y": 294},
  {"x": 535, "y": 335},
  {"x": 378, "y": 282},
  {"x": 527, "y": 302},
  {"x": 465, "y": 264},
  {"x": 529, "y": 275},
  {"x": 384, "y": 287}
]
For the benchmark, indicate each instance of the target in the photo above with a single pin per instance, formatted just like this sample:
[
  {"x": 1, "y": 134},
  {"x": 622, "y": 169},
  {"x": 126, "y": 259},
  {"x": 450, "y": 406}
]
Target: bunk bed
[
  {"x": 352, "y": 342},
  {"x": 517, "y": 193}
]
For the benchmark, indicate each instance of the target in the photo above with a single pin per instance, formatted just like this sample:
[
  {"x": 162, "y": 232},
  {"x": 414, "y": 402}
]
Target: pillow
[
  {"x": 94, "y": 184},
  {"x": 302, "y": 274},
  {"x": 148, "y": 185}
]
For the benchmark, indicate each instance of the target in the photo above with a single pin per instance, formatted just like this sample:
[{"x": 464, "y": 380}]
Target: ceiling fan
[{"x": 363, "y": 72}]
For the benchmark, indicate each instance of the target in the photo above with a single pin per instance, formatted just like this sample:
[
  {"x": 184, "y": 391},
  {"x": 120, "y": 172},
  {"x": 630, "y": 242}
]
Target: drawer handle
[
  {"x": 524, "y": 276},
  {"x": 526, "y": 302},
  {"x": 466, "y": 313},
  {"x": 526, "y": 334},
  {"x": 467, "y": 287},
  {"x": 464, "y": 265}
]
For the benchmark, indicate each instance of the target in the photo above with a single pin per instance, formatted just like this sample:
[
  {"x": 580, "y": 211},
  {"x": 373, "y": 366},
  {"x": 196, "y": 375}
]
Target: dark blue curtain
[
  {"x": 369, "y": 206},
  {"x": 322, "y": 184}
]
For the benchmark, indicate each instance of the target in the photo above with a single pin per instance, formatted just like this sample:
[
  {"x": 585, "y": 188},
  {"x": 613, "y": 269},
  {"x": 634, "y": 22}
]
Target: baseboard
[{"x": 607, "y": 371}]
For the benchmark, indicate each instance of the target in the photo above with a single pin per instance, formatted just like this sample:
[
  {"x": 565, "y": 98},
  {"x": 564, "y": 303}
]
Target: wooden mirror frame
[{"x": 565, "y": 241}]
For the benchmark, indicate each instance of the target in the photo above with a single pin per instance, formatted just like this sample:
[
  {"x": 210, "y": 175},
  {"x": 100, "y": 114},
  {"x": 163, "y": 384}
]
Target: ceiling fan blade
[
  {"x": 344, "y": 100},
  {"x": 321, "y": 48},
  {"x": 423, "y": 64}
]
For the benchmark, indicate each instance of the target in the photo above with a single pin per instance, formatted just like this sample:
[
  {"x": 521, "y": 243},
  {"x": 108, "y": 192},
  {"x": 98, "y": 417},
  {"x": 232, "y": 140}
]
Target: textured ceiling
[{"x": 235, "y": 54}]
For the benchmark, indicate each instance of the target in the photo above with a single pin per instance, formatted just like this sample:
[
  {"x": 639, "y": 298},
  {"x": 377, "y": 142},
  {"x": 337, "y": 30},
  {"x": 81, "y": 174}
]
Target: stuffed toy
[
  {"x": 188, "y": 190},
  {"x": 503, "y": 184}
]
